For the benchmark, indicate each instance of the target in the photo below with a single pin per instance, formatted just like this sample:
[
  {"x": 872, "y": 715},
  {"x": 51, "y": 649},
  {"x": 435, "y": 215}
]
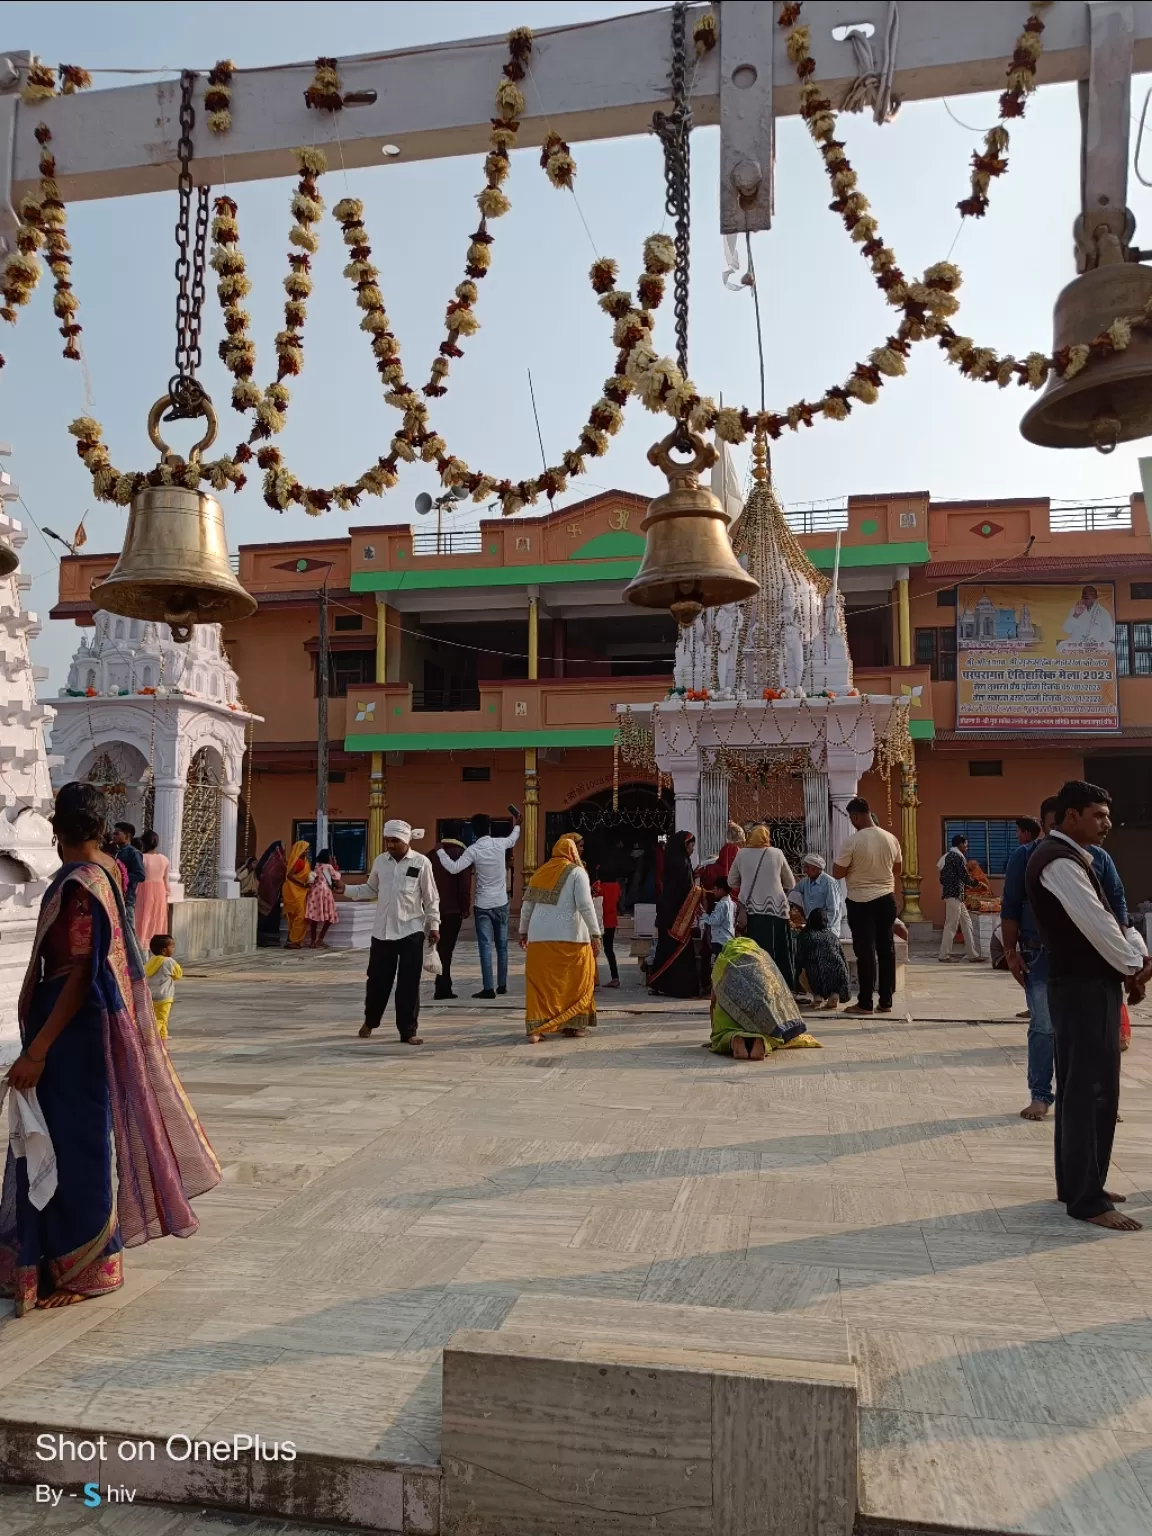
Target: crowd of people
[{"x": 95, "y": 1083}]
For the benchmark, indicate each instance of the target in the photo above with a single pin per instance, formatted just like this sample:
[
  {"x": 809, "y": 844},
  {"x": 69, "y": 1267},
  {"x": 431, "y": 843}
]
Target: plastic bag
[{"x": 432, "y": 966}]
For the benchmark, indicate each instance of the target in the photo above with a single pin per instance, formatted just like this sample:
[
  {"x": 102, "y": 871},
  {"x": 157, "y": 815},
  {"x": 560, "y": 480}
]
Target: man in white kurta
[{"x": 407, "y": 918}]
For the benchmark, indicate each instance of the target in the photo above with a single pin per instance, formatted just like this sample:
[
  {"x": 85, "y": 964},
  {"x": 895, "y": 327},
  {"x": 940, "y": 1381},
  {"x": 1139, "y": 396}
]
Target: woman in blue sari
[{"x": 105, "y": 1086}]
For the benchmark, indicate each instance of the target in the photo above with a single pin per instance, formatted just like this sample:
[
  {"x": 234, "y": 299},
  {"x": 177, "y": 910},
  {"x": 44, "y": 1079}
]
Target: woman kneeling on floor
[{"x": 753, "y": 1010}]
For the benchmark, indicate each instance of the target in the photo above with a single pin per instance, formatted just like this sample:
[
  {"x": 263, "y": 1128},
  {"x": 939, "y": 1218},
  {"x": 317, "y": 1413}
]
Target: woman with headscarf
[
  {"x": 129, "y": 1151},
  {"x": 559, "y": 931},
  {"x": 718, "y": 870},
  {"x": 270, "y": 872},
  {"x": 760, "y": 879},
  {"x": 675, "y": 972},
  {"x": 753, "y": 1010},
  {"x": 294, "y": 894}
]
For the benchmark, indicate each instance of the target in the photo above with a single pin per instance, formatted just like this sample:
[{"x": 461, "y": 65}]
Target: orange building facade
[{"x": 480, "y": 670}]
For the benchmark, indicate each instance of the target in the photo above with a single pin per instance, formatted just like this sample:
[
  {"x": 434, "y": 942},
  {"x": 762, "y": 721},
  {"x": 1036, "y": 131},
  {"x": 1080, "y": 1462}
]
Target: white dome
[{"x": 128, "y": 655}]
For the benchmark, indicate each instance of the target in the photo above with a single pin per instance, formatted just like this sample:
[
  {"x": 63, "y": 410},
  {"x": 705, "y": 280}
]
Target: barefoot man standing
[{"x": 1091, "y": 961}]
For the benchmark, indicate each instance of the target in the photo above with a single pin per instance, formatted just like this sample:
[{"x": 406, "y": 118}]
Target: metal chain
[
  {"x": 186, "y": 392},
  {"x": 673, "y": 130}
]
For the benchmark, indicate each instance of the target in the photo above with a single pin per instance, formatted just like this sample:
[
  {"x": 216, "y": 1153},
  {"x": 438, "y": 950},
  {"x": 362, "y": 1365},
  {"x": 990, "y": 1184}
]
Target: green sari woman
[{"x": 753, "y": 1010}]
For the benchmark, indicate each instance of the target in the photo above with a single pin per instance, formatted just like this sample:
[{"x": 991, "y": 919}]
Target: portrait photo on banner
[{"x": 1037, "y": 658}]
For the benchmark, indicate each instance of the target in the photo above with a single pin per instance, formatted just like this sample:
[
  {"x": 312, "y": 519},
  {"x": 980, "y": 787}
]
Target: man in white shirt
[
  {"x": 1089, "y": 623},
  {"x": 1091, "y": 962},
  {"x": 407, "y": 918},
  {"x": 489, "y": 899}
]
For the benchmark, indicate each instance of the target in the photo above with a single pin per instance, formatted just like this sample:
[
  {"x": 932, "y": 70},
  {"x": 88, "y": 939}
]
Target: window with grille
[
  {"x": 990, "y": 843},
  {"x": 348, "y": 841},
  {"x": 346, "y": 669},
  {"x": 936, "y": 649},
  {"x": 1134, "y": 650}
]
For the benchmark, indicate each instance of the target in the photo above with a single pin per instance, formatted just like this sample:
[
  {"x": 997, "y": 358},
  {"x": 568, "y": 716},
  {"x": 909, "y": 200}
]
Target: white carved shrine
[
  {"x": 27, "y": 853},
  {"x": 162, "y": 725}
]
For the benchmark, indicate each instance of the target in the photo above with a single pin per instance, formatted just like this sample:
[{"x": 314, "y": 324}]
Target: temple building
[{"x": 473, "y": 670}]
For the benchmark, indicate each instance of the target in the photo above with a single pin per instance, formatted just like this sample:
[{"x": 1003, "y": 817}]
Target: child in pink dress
[{"x": 320, "y": 909}]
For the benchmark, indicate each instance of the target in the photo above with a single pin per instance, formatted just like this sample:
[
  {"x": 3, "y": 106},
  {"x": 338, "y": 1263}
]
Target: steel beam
[{"x": 597, "y": 80}]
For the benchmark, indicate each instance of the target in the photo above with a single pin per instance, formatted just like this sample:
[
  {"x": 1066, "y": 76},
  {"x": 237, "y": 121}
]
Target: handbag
[{"x": 742, "y": 905}]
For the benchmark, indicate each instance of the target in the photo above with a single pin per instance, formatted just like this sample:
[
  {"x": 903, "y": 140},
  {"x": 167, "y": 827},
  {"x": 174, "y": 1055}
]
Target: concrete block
[
  {"x": 206, "y": 929},
  {"x": 554, "y": 1434}
]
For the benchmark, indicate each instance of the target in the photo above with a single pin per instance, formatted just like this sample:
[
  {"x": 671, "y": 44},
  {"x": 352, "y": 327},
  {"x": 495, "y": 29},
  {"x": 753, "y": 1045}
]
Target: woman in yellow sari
[
  {"x": 558, "y": 928},
  {"x": 295, "y": 894}
]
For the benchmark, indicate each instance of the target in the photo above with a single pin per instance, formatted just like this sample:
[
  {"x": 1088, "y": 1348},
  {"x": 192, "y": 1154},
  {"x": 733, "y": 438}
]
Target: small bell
[
  {"x": 688, "y": 562},
  {"x": 9, "y": 559},
  {"x": 174, "y": 568},
  {"x": 1110, "y": 400}
]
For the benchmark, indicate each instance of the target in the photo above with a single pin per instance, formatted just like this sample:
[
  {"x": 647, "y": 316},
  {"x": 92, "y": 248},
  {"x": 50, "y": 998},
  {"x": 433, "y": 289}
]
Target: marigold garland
[
  {"x": 218, "y": 96},
  {"x": 324, "y": 94},
  {"x": 237, "y": 350},
  {"x": 42, "y": 224},
  {"x": 40, "y": 81}
]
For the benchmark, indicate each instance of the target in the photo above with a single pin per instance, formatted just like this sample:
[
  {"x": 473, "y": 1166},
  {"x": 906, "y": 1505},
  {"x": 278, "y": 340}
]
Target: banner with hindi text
[{"x": 1036, "y": 658}]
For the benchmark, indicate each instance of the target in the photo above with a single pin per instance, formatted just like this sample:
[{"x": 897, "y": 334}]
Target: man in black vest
[{"x": 1091, "y": 960}]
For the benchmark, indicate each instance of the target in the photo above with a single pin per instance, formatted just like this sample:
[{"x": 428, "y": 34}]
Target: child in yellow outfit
[{"x": 163, "y": 972}]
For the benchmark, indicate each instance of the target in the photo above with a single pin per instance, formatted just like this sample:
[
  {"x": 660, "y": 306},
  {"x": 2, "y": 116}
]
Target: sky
[{"x": 932, "y": 430}]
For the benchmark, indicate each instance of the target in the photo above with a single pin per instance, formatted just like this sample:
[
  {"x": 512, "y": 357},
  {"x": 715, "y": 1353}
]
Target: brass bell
[
  {"x": 174, "y": 568},
  {"x": 9, "y": 559},
  {"x": 1110, "y": 400},
  {"x": 688, "y": 562}
]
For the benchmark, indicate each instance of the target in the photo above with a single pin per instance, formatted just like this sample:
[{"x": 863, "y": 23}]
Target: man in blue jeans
[
  {"x": 1028, "y": 961},
  {"x": 490, "y": 899}
]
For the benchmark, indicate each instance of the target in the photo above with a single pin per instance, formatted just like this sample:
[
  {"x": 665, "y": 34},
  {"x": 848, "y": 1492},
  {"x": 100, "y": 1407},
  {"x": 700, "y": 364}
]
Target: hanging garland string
[
  {"x": 43, "y": 224},
  {"x": 926, "y": 306}
]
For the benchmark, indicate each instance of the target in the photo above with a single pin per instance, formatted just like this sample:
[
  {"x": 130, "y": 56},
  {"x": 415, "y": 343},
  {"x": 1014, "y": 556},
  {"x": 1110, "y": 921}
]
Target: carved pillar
[
  {"x": 226, "y": 883},
  {"x": 909, "y": 805},
  {"x": 168, "y": 825},
  {"x": 686, "y": 786},
  {"x": 377, "y": 782},
  {"x": 530, "y": 836}
]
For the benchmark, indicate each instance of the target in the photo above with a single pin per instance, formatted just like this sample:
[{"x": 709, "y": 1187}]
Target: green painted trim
[
  {"x": 619, "y": 544},
  {"x": 852, "y": 556},
  {"x": 579, "y": 568},
  {"x": 480, "y": 741},
  {"x": 493, "y": 576},
  {"x": 922, "y": 730}
]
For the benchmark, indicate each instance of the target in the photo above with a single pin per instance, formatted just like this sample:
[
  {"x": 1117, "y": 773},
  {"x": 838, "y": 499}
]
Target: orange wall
[
  {"x": 277, "y": 673},
  {"x": 948, "y": 792},
  {"x": 431, "y": 785}
]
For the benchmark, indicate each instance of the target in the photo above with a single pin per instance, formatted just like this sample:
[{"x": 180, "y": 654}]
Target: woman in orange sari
[
  {"x": 558, "y": 928},
  {"x": 295, "y": 894}
]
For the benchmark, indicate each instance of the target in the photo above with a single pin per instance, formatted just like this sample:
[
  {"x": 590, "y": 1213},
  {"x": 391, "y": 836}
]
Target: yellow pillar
[
  {"x": 904, "y": 619},
  {"x": 530, "y": 835},
  {"x": 378, "y": 783},
  {"x": 909, "y": 805}
]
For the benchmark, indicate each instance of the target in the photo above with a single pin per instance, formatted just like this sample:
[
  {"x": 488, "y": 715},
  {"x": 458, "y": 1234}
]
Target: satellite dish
[
  {"x": 461, "y": 493},
  {"x": 423, "y": 503}
]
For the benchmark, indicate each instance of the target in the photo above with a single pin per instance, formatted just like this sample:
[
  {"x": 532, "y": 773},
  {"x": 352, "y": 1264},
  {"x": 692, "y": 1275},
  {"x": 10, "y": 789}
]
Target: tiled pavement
[{"x": 378, "y": 1198}]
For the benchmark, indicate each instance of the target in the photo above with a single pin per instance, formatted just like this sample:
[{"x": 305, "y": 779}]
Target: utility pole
[{"x": 322, "y": 722}]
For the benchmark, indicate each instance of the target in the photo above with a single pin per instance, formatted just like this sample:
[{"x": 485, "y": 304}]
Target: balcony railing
[
  {"x": 817, "y": 519},
  {"x": 444, "y": 700},
  {"x": 1095, "y": 517},
  {"x": 453, "y": 541}
]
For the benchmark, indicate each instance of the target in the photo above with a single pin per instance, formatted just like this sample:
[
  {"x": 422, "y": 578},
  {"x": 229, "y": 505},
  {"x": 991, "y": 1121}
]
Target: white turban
[
  {"x": 813, "y": 858},
  {"x": 399, "y": 829}
]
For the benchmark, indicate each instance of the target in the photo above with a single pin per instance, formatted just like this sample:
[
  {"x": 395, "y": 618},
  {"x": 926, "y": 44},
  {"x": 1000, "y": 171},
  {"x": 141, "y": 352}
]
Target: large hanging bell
[
  {"x": 688, "y": 562},
  {"x": 9, "y": 559},
  {"x": 174, "y": 568},
  {"x": 1110, "y": 400}
]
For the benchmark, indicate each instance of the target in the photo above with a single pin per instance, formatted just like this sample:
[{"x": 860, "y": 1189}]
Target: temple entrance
[{"x": 619, "y": 844}]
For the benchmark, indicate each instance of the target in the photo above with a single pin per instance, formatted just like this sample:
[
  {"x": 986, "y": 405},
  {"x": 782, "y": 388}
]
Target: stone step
[{"x": 586, "y": 1415}]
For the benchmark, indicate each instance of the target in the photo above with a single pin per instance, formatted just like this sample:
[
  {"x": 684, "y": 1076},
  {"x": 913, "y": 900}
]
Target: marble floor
[{"x": 378, "y": 1198}]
